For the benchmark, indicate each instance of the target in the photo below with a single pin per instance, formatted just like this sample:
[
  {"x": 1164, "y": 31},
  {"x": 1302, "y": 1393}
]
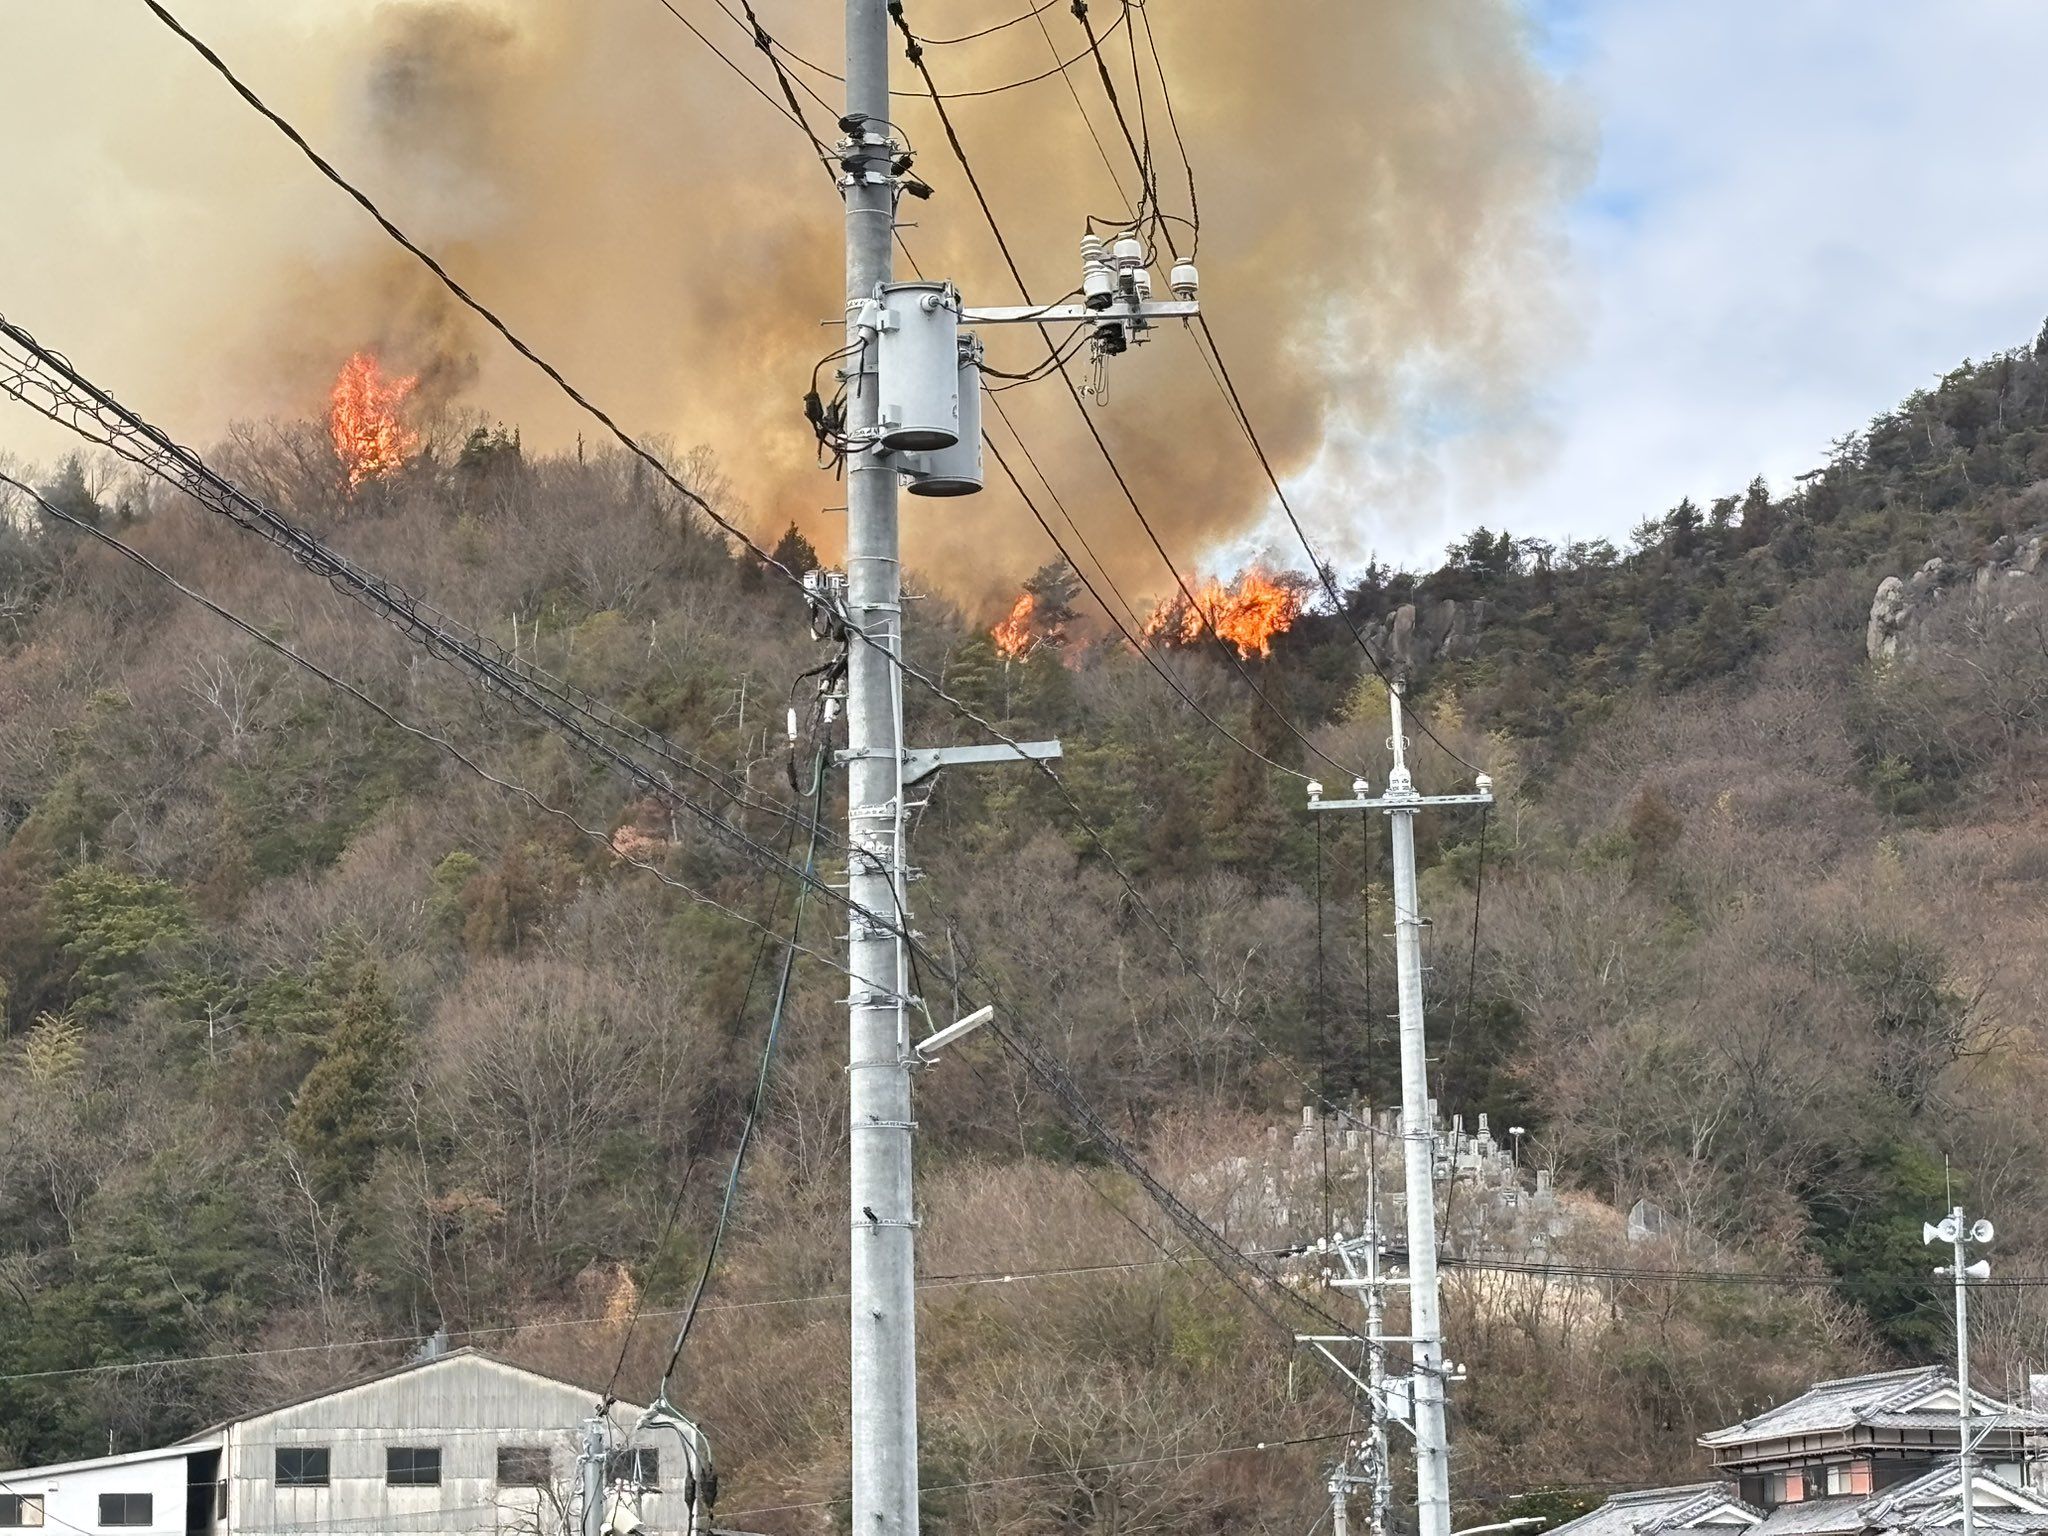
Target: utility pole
[
  {"x": 913, "y": 409},
  {"x": 1424, "y": 1387},
  {"x": 1958, "y": 1231},
  {"x": 1365, "y": 1278},
  {"x": 883, "y": 1306},
  {"x": 590, "y": 1470}
]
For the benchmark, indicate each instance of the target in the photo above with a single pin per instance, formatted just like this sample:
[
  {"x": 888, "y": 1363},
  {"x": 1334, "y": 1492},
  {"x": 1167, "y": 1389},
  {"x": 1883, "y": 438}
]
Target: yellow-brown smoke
[{"x": 1379, "y": 186}]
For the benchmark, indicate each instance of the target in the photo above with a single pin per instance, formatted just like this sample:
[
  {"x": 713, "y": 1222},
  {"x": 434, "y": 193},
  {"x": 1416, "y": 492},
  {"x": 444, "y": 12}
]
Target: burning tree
[
  {"x": 1248, "y": 614},
  {"x": 1042, "y": 614},
  {"x": 363, "y": 420}
]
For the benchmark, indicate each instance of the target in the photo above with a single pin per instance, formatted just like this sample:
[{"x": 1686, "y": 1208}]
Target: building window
[
  {"x": 302, "y": 1466},
  {"x": 1785, "y": 1488},
  {"x": 19, "y": 1510},
  {"x": 220, "y": 1499},
  {"x": 1845, "y": 1477},
  {"x": 524, "y": 1466},
  {"x": 127, "y": 1509},
  {"x": 640, "y": 1467},
  {"x": 413, "y": 1466}
]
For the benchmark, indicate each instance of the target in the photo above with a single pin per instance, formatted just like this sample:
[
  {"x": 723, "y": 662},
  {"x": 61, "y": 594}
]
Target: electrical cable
[
  {"x": 1049, "y": 1074},
  {"x": 1173, "y": 122},
  {"x": 1073, "y": 527},
  {"x": 795, "y": 118},
  {"x": 1316, "y": 562},
  {"x": 391, "y": 717},
  {"x": 767, "y": 560},
  {"x": 604, "y": 1320},
  {"x": 1225, "y": 648},
  {"x": 747, "y": 1130},
  {"x": 992, "y": 90},
  {"x": 967, "y": 37},
  {"x": 1229, "y": 388},
  {"x": 1101, "y": 149},
  {"x": 770, "y": 1041},
  {"x": 152, "y": 450},
  {"x": 1143, "y": 160},
  {"x": 1136, "y": 644},
  {"x": 1032, "y": 1477}
]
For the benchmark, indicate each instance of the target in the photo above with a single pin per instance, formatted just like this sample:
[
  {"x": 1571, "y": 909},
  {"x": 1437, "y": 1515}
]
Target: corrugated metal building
[{"x": 462, "y": 1442}]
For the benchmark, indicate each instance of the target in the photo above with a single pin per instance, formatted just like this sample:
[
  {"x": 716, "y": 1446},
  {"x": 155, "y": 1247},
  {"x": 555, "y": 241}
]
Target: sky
[{"x": 1799, "y": 212}]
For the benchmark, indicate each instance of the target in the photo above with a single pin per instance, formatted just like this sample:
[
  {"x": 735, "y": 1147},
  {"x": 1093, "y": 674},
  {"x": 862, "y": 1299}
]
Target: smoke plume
[{"x": 1379, "y": 187}]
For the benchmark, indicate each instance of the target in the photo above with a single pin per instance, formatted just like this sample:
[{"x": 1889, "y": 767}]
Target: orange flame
[
  {"x": 1013, "y": 636},
  {"x": 369, "y": 439},
  {"x": 1247, "y": 615}
]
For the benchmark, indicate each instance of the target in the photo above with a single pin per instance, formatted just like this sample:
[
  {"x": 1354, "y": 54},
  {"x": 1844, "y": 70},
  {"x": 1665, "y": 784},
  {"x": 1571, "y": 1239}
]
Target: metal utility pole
[
  {"x": 883, "y": 1306},
  {"x": 1958, "y": 1231},
  {"x": 1425, "y": 1384},
  {"x": 913, "y": 409},
  {"x": 1376, "y": 1477},
  {"x": 590, "y": 1470}
]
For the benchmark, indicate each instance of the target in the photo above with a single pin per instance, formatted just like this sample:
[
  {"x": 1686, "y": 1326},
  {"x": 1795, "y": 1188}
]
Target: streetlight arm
[{"x": 1519, "y": 1523}]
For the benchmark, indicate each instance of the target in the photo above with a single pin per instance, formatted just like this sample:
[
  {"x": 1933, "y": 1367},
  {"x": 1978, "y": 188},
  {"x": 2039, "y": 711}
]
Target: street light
[
  {"x": 1959, "y": 1232},
  {"x": 1516, "y": 1133}
]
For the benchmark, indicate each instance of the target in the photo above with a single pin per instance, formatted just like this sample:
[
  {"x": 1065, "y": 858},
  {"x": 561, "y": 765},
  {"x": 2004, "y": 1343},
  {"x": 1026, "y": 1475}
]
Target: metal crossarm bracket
[
  {"x": 1052, "y": 314},
  {"x": 922, "y": 762}
]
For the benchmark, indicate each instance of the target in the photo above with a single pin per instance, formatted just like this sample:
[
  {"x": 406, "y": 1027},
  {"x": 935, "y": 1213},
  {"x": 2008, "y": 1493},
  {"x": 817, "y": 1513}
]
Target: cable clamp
[
  {"x": 880, "y": 1222},
  {"x": 885, "y": 1125}
]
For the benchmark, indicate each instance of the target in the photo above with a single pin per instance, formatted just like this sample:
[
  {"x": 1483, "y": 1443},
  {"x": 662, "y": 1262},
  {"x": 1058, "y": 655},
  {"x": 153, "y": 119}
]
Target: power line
[
  {"x": 1176, "y": 1457},
  {"x": 1227, "y": 650},
  {"x": 1136, "y": 644},
  {"x": 967, "y": 37},
  {"x": 1173, "y": 122},
  {"x": 1228, "y": 386},
  {"x": 1225, "y": 383},
  {"x": 943, "y": 1282},
  {"x": 767, "y": 560},
  {"x": 992, "y": 90},
  {"x": 793, "y": 116},
  {"x": 769, "y": 1042},
  {"x": 1073, "y": 806},
  {"x": 390, "y": 716},
  {"x": 1015, "y": 1037}
]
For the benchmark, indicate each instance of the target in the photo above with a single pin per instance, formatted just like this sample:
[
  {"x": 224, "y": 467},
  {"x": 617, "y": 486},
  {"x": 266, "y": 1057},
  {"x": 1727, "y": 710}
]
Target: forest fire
[
  {"x": 1248, "y": 615},
  {"x": 1013, "y": 636},
  {"x": 369, "y": 438}
]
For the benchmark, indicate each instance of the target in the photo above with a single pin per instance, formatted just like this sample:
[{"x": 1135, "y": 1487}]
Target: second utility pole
[
  {"x": 1425, "y": 1382},
  {"x": 883, "y": 1309}
]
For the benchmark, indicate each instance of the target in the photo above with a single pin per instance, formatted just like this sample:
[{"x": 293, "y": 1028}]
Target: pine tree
[{"x": 339, "y": 1115}]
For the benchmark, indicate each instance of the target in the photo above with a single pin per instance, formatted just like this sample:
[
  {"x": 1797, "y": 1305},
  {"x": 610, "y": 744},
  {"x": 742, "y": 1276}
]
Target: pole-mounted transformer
[{"x": 928, "y": 362}]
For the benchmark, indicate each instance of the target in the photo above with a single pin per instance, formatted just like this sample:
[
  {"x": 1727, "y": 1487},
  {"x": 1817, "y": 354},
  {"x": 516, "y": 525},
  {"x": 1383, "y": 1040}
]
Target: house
[
  {"x": 1861, "y": 1456},
  {"x": 460, "y": 1442},
  {"x": 1863, "y": 1434}
]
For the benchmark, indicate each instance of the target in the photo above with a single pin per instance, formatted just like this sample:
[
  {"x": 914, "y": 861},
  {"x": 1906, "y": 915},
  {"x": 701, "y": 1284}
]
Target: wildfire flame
[
  {"x": 1248, "y": 615},
  {"x": 1013, "y": 635},
  {"x": 369, "y": 438}
]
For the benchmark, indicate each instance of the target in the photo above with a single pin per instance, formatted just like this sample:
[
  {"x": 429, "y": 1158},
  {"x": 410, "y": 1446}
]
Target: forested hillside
[{"x": 316, "y": 1039}]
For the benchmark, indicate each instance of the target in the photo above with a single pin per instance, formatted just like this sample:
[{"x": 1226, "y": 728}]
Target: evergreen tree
[
  {"x": 795, "y": 552},
  {"x": 340, "y": 1113}
]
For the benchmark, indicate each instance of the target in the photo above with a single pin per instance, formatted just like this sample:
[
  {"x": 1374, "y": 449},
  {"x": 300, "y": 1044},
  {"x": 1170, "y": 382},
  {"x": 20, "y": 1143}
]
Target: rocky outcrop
[
  {"x": 1437, "y": 629},
  {"x": 1899, "y": 612}
]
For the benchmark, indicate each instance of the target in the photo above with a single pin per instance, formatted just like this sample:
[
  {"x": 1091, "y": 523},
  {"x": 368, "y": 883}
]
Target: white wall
[{"x": 71, "y": 1499}]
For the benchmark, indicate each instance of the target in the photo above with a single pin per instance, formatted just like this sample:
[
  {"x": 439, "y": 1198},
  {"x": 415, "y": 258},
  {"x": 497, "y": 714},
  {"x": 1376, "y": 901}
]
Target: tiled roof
[
  {"x": 1811, "y": 1517},
  {"x": 1648, "y": 1509},
  {"x": 1883, "y": 1401}
]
